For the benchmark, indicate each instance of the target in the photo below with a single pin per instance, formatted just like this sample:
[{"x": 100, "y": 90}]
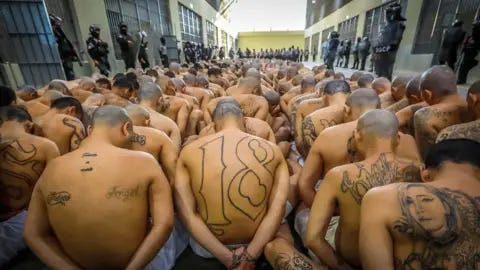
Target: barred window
[
  {"x": 224, "y": 39},
  {"x": 190, "y": 24},
  {"x": 348, "y": 29},
  {"x": 212, "y": 34},
  {"x": 151, "y": 16}
]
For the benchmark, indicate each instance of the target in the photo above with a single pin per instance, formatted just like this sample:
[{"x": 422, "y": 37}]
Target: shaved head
[
  {"x": 364, "y": 98},
  {"x": 149, "y": 92},
  {"x": 272, "y": 97},
  {"x": 381, "y": 85},
  {"x": 337, "y": 86},
  {"x": 308, "y": 82},
  {"x": 252, "y": 72},
  {"x": 355, "y": 76},
  {"x": 250, "y": 83},
  {"x": 53, "y": 95},
  {"x": 190, "y": 79},
  {"x": 413, "y": 86},
  {"x": 135, "y": 110},
  {"x": 378, "y": 123},
  {"x": 224, "y": 109},
  {"x": 95, "y": 100},
  {"x": 87, "y": 83},
  {"x": 110, "y": 116},
  {"x": 365, "y": 80},
  {"x": 297, "y": 80},
  {"x": 440, "y": 80},
  {"x": 228, "y": 99},
  {"x": 178, "y": 83}
]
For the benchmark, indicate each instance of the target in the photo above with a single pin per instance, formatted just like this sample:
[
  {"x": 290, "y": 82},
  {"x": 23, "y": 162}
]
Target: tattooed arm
[
  {"x": 168, "y": 157},
  {"x": 375, "y": 243},
  {"x": 321, "y": 213},
  {"x": 188, "y": 213},
  {"x": 311, "y": 173},
  {"x": 425, "y": 134},
  {"x": 161, "y": 211},
  {"x": 276, "y": 209},
  {"x": 39, "y": 235}
]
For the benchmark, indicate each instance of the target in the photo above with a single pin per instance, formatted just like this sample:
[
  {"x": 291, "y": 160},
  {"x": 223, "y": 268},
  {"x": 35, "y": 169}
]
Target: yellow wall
[{"x": 274, "y": 40}]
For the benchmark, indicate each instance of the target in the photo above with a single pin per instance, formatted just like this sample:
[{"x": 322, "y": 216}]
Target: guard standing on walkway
[
  {"x": 331, "y": 51},
  {"x": 346, "y": 52},
  {"x": 67, "y": 52},
  {"x": 470, "y": 52},
  {"x": 98, "y": 50},
  {"x": 142, "y": 52},
  {"x": 452, "y": 39},
  {"x": 355, "y": 52},
  {"x": 389, "y": 40},
  {"x": 126, "y": 43}
]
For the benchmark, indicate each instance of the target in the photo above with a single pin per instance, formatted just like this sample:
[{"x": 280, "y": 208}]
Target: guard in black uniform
[
  {"x": 98, "y": 50},
  {"x": 356, "y": 57},
  {"x": 452, "y": 39},
  {"x": 142, "y": 52},
  {"x": 67, "y": 52},
  {"x": 364, "y": 52},
  {"x": 470, "y": 52},
  {"x": 126, "y": 43},
  {"x": 331, "y": 52},
  {"x": 389, "y": 40},
  {"x": 346, "y": 53}
]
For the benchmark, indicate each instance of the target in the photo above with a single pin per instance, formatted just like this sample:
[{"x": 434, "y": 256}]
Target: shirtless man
[
  {"x": 249, "y": 201},
  {"x": 152, "y": 141},
  {"x": 307, "y": 86},
  {"x": 253, "y": 126},
  {"x": 295, "y": 102},
  {"x": 180, "y": 87},
  {"x": 376, "y": 137},
  {"x": 415, "y": 103},
  {"x": 8, "y": 97},
  {"x": 275, "y": 118},
  {"x": 58, "y": 85},
  {"x": 202, "y": 82},
  {"x": 431, "y": 225},
  {"x": 23, "y": 158},
  {"x": 336, "y": 93},
  {"x": 248, "y": 85},
  {"x": 27, "y": 93},
  {"x": 383, "y": 87},
  {"x": 86, "y": 86},
  {"x": 122, "y": 91},
  {"x": 42, "y": 104},
  {"x": 365, "y": 80},
  {"x": 253, "y": 106},
  {"x": 151, "y": 98},
  {"x": 353, "y": 81},
  {"x": 470, "y": 130},
  {"x": 133, "y": 197},
  {"x": 399, "y": 88},
  {"x": 62, "y": 124},
  {"x": 335, "y": 146},
  {"x": 203, "y": 95},
  {"x": 446, "y": 106}
]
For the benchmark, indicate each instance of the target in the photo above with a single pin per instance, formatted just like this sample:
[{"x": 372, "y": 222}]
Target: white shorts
[
  {"x": 11, "y": 237},
  {"x": 175, "y": 245}
]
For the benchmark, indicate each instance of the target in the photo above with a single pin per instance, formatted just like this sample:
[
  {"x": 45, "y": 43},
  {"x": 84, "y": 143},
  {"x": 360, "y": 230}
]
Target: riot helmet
[{"x": 95, "y": 30}]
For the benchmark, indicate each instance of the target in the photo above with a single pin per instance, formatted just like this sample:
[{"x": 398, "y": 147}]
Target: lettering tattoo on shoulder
[
  {"x": 78, "y": 133},
  {"x": 381, "y": 172},
  {"x": 242, "y": 188},
  {"x": 122, "y": 193},
  {"x": 140, "y": 139},
  {"x": 443, "y": 225},
  {"x": 88, "y": 167},
  {"x": 296, "y": 262},
  {"x": 58, "y": 198}
]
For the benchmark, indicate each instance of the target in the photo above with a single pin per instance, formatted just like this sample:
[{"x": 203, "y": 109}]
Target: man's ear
[
  {"x": 127, "y": 128},
  {"x": 427, "y": 95},
  {"x": 474, "y": 98},
  {"x": 427, "y": 175},
  {"x": 70, "y": 111},
  {"x": 89, "y": 130},
  {"x": 147, "y": 122}
]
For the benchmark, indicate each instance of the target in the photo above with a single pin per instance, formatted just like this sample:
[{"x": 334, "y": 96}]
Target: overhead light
[{"x": 314, "y": 1}]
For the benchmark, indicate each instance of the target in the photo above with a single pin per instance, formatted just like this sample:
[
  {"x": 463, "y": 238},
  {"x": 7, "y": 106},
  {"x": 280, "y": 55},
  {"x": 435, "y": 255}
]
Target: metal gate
[{"x": 31, "y": 43}]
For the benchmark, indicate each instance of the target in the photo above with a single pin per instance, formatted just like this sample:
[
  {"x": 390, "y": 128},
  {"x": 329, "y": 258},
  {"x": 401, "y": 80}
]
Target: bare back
[
  {"x": 232, "y": 175},
  {"x": 97, "y": 205},
  {"x": 22, "y": 161},
  {"x": 65, "y": 131}
]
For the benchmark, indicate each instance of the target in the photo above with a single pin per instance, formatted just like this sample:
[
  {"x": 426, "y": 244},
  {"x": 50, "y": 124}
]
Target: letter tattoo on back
[
  {"x": 58, "y": 198},
  {"x": 242, "y": 189},
  {"x": 443, "y": 225},
  {"x": 381, "y": 172}
]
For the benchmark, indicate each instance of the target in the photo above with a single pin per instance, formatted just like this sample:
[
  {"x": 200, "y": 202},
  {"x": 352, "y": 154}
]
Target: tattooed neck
[{"x": 139, "y": 139}]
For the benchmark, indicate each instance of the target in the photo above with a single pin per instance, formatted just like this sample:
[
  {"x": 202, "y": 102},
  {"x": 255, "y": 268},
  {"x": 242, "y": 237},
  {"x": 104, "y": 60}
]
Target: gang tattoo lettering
[
  {"x": 443, "y": 225},
  {"x": 462, "y": 131},
  {"x": 140, "y": 139},
  {"x": 87, "y": 156},
  {"x": 295, "y": 262},
  {"x": 123, "y": 194},
  {"x": 78, "y": 131},
  {"x": 381, "y": 172},
  {"x": 20, "y": 168},
  {"x": 58, "y": 198},
  {"x": 244, "y": 188}
]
